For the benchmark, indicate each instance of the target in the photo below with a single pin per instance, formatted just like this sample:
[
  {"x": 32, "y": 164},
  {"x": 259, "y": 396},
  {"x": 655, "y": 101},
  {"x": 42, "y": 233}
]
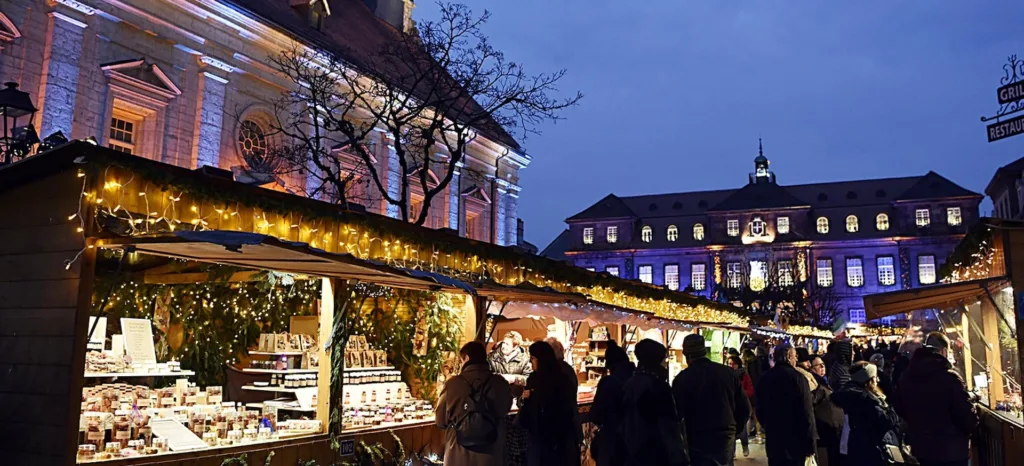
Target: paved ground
[{"x": 756, "y": 458}]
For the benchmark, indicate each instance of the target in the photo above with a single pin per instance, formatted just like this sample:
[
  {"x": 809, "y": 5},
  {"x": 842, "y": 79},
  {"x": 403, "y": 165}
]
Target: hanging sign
[
  {"x": 1010, "y": 93},
  {"x": 1005, "y": 129},
  {"x": 1010, "y": 96}
]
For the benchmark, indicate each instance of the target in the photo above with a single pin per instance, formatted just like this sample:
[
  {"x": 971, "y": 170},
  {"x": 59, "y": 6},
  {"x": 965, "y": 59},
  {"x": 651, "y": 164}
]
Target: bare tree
[{"x": 430, "y": 93}]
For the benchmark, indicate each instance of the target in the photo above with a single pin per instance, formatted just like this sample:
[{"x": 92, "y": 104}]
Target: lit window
[
  {"x": 854, "y": 271},
  {"x": 785, "y": 273},
  {"x": 851, "y": 224},
  {"x": 822, "y": 225},
  {"x": 857, "y": 316},
  {"x": 588, "y": 236},
  {"x": 922, "y": 217},
  {"x": 698, "y": 277},
  {"x": 122, "y": 135},
  {"x": 646, "y": 273},
  {"x": 612, "y": 234},
  {"x": 824, "y": 272},
  {"x": 733, "y": 227},
  {"x": 672, "y": 276},
  {"x": 734, "y": 277},
  {"x": 698, "y": 232},
  {"x": 882, "y": 222},
  {"x": 886, "y": 271},
  {"x": 646, "y": 234},
  {"x": 591, "y": 269},
  {"x": 926, "y": 270},
  {"x": 757, "y": 227},
  {"x": 758, "y": 275},
  {"x": 672, "y": 233},
  {"x": 612, "y": 269},
  {"x": 953, "y": 217},
  {"x": 782, "y": 225}
]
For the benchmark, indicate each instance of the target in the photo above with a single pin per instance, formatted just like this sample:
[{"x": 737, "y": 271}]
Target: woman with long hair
[
  {"x": 547, "y": 410},
  {"x": 870, "y": 423}
]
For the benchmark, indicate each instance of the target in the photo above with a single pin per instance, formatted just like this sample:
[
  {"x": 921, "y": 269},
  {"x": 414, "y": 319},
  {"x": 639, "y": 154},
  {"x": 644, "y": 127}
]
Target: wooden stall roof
[
  {"x": 256, "y": 251},
  {"x": 897, "y": 302},
  {"x": 525, "y": 292}
]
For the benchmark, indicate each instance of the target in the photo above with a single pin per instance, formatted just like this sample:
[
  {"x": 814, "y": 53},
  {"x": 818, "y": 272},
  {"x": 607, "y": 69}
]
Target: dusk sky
[{"x": 678, "y": 91}]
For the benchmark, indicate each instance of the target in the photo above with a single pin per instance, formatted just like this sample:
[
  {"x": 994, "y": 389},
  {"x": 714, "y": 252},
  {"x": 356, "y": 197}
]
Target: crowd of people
[{"x": 849, "y": 406}]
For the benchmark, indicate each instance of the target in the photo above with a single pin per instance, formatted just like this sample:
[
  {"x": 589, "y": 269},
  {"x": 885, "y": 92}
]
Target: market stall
[
  {"x": 978, "y": 309},
  {"x": 266, "y": 295}
]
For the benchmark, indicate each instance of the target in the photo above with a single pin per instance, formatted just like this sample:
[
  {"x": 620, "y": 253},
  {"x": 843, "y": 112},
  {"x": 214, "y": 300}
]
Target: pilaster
[
  {"x": 59, "y": 89},
  {"x": 394, "y": 186},
  {"x": 454, "y": 193}
]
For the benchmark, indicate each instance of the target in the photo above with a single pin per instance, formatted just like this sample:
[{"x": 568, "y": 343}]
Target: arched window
[
  {"x": 851, "y": 224},
  {"x": 882, "y": 222},
  {"x": 646, "y": 234},
  {"x": 698, "y": 232},
  {"x": 252, "y": 139},
  {"x": 822, "y": 225},
  {"x": 673, "y": 233}
]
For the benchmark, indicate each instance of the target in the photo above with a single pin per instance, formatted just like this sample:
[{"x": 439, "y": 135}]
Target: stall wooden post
[
  {"x": 480, "y": 311},
  {"x": 323, "y": 392},
  {"x": 965, "y": 336},
  {"x": 990, "y": 329}
]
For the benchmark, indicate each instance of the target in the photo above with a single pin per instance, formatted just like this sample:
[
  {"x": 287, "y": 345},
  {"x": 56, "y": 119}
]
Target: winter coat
[
  {"x": 450, "y": 408},
  {"x": 872, "y": 422},
  {"x": 933, "y": 400},
  {"x": 549, "y": 416},
  {"x": 747, "y": 384},
  {"x": 607, "y": 448},
  {"x": 649, "y": 413},
  {"x": 518, "y": 363},
  {"x": 785, "y": 410},
  {"x": 827, "y": 416},
  {"x": 711, "y": 402},
  {"x": 753, "y": 368},
  {"x": 839, "y": 370},
  {"x": 576, "y": 420}
]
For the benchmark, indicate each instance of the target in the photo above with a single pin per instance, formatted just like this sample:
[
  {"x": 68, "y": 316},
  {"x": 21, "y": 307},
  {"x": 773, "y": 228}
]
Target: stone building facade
[
  {"x": 188, "y": 82},
  {"x": 857, "y": 237}
]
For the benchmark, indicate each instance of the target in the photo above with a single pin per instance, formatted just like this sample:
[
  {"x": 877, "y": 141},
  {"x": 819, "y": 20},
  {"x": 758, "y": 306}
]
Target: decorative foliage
[
  {"x": 974, "y": 258},
  {"x": 212, "y": 322}
]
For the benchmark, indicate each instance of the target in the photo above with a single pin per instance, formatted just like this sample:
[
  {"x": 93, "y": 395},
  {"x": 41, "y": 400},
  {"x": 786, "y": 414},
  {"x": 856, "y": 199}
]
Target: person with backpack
[
  {"x": 547, "y": 411},
  {"x": 871, "y": 428},
  {"x": 651, "y": 429},
  {"x": 471, "y": 410},
  {"x": 607, "y": 448}
]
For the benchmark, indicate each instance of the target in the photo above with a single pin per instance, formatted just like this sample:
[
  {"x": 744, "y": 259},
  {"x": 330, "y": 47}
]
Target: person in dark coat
[
  {"x": 736, "y": 364},
  {"x": 839, "y": 371},
  {"x": 936, "y": 405},
  {"x": 884, "y": 380},
  {"x": 607, "y": 447},
  {"x": 871, "y": 422},
  {"x": 711, "y": 402},
  {"x": 475, "y": 375},
  {"x": 547, "y": 411},
  {"x": 510, "y": 360},
  {"x": 569, "y": 372},
  {"x": 753, "y": 367},
  {"x": 785, "y": 410},
  {"x": 651, "y": 429},
  {"x": 827, "y": 416}
]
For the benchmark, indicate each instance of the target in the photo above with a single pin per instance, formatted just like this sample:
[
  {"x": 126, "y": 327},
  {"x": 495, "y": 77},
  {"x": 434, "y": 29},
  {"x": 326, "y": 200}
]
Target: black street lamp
[{"x": 16, "y": 140}]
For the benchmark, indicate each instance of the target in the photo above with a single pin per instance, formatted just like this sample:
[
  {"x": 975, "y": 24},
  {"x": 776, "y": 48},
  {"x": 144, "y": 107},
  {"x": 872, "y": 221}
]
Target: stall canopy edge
[{"x": 881, "y": 305}]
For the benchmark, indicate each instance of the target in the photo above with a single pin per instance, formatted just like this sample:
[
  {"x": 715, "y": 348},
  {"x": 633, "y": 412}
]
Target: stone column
[
  {"x": 394, "y": 187},
  {"x": 512, "y": 216},
  {"x": 59, "y": 88},
  {"x": 209, "y": 123},
  {"x": 454, "y": 195},
  {"x": 500, "y": 211}
]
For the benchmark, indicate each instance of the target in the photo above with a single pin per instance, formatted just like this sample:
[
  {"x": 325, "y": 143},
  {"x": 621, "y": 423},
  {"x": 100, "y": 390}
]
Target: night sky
[{"x": 678, "y": 91}]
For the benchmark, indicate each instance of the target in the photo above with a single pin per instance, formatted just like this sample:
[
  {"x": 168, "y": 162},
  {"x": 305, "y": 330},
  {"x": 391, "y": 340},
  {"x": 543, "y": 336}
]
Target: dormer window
[
  {"x": 782, "y": 225},
  {"x": 588, "y": 235},
  {"x": 612, "y": 234},
  {"x": 822, "y": 225},
  {"x": 852, "y": 225},
  {"x": 922, "y": 217},
  {"x": 646, "y": 234},
  {"x": 672, "y": 233},
  {"x": 698, "y": 232}
]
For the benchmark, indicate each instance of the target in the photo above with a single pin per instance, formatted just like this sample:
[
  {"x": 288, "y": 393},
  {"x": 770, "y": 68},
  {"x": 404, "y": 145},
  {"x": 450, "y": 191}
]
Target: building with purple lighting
[{"x": 856, "y": 237}]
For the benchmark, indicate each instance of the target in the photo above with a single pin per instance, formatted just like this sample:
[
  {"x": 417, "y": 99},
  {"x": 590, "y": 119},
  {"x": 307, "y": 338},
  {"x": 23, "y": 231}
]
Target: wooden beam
[
  {"x": 194, "y": 277},
  {"x": 993, "y": 359},
  {"x": 323, "y": 391}
]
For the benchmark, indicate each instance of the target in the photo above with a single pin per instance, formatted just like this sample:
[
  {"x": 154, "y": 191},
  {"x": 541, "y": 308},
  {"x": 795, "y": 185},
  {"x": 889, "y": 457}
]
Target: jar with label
[
  {"x": 95, "y": 433},
  {"x": 145, "y": 431},
  {"x": 198, "y": 423},
  {"x": 373, "y": 397},
  {"x": 160, "y": 444},
  {"x": 122, "y": 431},
  {"x": 113, "y": 448},
  {"x": 221, "y": 424},
  {"x": 263, "y": 433},
  {"x": 249, "y": 435},
  {"x": 210, "y": 439},
  {"x": 190, "y": 395},
  {"x": 166, "y": 396},
  {"x": 215, "y": 394},
  {"x": 86, "y": 452}
]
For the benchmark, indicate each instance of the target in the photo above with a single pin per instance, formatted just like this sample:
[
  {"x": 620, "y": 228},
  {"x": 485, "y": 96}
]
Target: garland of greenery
[{"x": 216, "y": 320}]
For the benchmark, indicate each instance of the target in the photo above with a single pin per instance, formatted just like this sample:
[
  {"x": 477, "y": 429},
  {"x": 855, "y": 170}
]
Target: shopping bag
[{"x": 810, "y": 461}]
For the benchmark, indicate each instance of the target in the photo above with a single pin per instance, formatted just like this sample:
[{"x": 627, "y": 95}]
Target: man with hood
[
  {"x": 607, "y": 448},
  {"x": 933, "y": 400},
  {"x": 651, "y": 429},
  {"x": 839, "y": 371},
  {"x": 785, "y": 410},
  {"x": 711, "y": 402}
]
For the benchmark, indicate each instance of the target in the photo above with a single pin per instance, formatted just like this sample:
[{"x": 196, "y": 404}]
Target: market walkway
[{"x": 756, "y": 458}]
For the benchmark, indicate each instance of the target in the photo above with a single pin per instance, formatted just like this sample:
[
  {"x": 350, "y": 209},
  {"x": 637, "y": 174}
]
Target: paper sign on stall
[
  {"x": 138, "y": 340},
  {"x": 99, "y": 335},
  {"x": 305, "y": 397},
  {"x": 179, "y": 438}
]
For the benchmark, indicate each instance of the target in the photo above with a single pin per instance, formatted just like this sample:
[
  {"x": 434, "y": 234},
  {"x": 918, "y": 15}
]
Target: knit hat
[
  {"x": 614, "y": 355},
  {"x": 844, "y": 350},
  {"x": 802, "y": 355},
  {"x": 878, "y": 359},
  {"x": 649, "y": 352},
  {"x": 694, "y": 346},
  {"x": 863, "y": 373}
]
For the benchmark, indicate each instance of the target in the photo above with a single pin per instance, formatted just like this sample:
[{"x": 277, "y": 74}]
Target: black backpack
[{"x": 476, "y": 427}]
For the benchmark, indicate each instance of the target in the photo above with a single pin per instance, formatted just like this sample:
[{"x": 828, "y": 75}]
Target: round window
[{"x": 253, "y": 140}]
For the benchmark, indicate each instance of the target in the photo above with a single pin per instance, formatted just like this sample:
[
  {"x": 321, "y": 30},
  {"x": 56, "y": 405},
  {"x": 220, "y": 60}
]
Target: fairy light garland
[{"x": 121, "y": 197}]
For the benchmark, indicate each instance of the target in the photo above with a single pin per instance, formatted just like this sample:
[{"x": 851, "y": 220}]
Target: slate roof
[
  {"x": 1009, "y": 171},
  {"x": 772, "y": 196},
  {"x": 556, "y": 250},
  {"x": 353, "y": 33}
]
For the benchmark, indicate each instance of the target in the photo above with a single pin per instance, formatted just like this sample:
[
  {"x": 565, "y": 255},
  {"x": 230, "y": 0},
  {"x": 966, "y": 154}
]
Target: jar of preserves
[
  {"x": 113, "y": 449},
  {"x": 214, "y": 395},
  {"x": 198, "y": 423},
  {"x": 95, "y": 432},
  {"x": 160, "y": 444},
  {"x": 210, "y": 439},
  {"x": 86, "y": 452},
  {"x": 122, "y": 431}
]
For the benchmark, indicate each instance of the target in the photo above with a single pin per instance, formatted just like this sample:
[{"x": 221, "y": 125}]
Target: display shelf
[
  {"x": 282, "y": 371},
  {"x": 360, "y": 369},
  {"x": 99, "y": 375},
  {"x": 277, "y": 353},
  {"x": 260, "y": 406},
  {"x": 274, "y": 389}
]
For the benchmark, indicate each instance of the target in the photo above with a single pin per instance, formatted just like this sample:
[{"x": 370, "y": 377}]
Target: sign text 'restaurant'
[{"x": 1005, "y": 129}]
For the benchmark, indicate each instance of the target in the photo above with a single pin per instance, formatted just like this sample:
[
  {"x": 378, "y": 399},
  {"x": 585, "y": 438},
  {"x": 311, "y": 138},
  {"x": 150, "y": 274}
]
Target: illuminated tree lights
[{"x": 137, "y": 199}]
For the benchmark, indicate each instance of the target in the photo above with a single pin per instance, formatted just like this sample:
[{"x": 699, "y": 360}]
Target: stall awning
[
  {"x": 264, "y": 252},
  {"x": 933, "y": 297},
  {"x": 596, "y": 313},
  {"x": 525, "y": 292}
]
